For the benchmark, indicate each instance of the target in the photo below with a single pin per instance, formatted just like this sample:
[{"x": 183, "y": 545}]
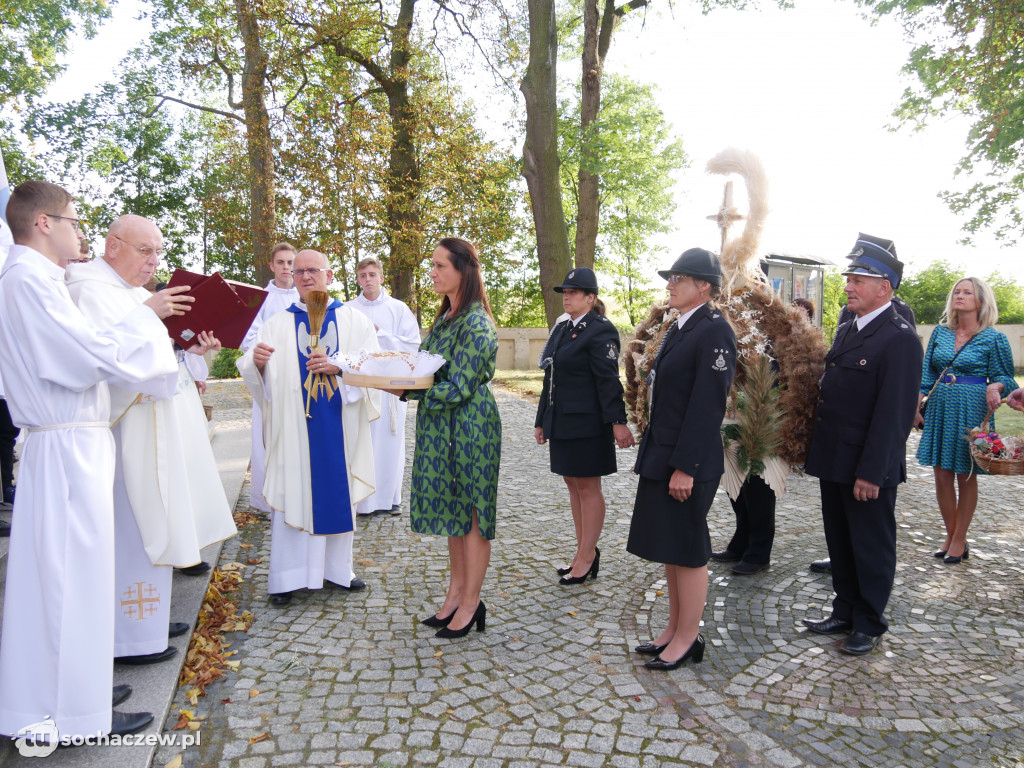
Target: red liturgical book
[{"x": 224, "y": 307}]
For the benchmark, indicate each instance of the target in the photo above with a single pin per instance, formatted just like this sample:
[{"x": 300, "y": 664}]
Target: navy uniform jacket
[
  {"x": 582, "y": 393},
  {"x": 866, "y": 403},
  {"x": 693, "y": 374}
]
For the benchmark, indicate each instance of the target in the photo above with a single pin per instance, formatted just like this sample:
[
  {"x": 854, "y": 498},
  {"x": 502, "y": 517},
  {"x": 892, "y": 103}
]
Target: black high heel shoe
[
  {"x": 940, "y": 553},
  {"x": 479, "y": 618},
  {"x": 564, "y": 571},
  {"x": 433, "y": 621},
  {"x": 951, "y": 560},
  {"x": 592, "y": 573},
  {"x": 696, "y": 653},
  {"x": 650, "y": 649}
]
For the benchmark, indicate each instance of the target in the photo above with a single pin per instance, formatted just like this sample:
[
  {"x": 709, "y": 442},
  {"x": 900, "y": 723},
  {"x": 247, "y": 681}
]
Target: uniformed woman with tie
[
  {"x": 680, "y": 460},
  {"x": 581, "y": 412}
]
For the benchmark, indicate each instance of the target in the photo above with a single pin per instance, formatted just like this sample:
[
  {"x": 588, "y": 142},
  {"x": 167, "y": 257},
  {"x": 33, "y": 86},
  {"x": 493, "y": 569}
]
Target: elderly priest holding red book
[
  {"x": 316, "y": 472},
  {"x": 169, "y": 502}
]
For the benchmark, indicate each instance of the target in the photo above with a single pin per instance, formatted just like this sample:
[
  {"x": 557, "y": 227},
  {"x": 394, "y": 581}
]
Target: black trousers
[
  {"x": 861, "y": 538},
  {"x": 755, "y": 521},
  {"x": 8, "y": 434}
]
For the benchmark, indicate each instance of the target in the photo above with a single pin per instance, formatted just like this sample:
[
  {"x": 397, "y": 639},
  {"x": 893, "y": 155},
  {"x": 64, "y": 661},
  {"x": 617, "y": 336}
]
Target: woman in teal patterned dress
[
  {"x": 974, "y": 384},
  {"x": 458, "y": 436}
]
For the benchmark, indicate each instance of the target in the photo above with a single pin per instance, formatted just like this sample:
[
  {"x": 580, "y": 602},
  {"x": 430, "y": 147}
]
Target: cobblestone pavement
[{"x": 353, "y": 679}]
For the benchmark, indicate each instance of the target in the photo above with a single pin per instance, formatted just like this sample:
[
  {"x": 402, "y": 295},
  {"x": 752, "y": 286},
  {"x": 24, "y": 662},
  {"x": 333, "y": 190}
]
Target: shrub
[{"x": 224, "y": 364}]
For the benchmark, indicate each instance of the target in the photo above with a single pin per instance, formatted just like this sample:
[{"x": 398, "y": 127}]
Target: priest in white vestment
[
  {"x": 397, "y": 329},
  {"x": 281, "y": 294},
  {"x": 58, "y": 627},
  {"x": 318, "y": 468},
  {"x": 169, "y": 502}
]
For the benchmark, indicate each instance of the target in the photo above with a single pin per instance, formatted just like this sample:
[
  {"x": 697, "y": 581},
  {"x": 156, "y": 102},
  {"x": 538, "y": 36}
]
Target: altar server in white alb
[
  {"x": 58, "y": 626},
  {"x": 396, "y": 329},
  {"x": 281, "y": 294},
  {"x": 169, "y": 501},
  {"x": 318, "y": 467}
]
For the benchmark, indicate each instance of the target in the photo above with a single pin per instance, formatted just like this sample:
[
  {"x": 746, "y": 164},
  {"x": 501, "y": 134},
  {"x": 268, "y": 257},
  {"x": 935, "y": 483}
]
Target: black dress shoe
[
  {"x": 479, "y": 618},
  {"x": 650, "y": 649},
  {"x": 355, "y": 585},
  {"x": 725, "y": 556},
  {"x": 860, "y": 643},
  {"x": 281, "y": 599},
  {"x": 178, "y": 628},
  {"x": 121, "y": 694},
  {"x": 195, "y": 570},
  {"x": 829, "y": 626},
  {"x": 147, "y": 658},
  {"x": 5, "y": 530},
  {"x": 433, "y": 621},
  {"x": 822, "y": 566},
  {"x": 123, "y": 723},
  {"x": 592, "y": 573},
  {"x": 951, "y": 560},
  {"x": 696, "y": 652},
  {"x": 743, "y": 568}
]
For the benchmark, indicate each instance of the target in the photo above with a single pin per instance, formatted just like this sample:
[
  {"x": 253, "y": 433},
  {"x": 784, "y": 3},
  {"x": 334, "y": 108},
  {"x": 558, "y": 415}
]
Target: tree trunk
[
  {"x": 597, "y": 37},
  {"x": 540, "y": 153},
  {"x": 403, "y": 170},
  {"x": 259, "y": 144}
]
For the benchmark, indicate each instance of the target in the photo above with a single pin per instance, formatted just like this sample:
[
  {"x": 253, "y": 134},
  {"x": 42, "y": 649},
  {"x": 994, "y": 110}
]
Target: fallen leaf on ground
[{"x": 262, "y": 737}]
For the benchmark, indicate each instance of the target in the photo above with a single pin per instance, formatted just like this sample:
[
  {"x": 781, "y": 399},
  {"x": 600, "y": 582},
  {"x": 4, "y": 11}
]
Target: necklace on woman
[{"x": 962, "y": 337}]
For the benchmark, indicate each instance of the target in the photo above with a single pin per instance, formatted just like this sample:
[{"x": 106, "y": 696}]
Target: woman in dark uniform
[
  {"x": 581, "y": 412},
  {"x": 680, "y": 460}
]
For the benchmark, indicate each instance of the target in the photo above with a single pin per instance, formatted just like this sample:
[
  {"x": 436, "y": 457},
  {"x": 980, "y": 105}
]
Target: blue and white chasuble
[{"x": 332, "y": 507}]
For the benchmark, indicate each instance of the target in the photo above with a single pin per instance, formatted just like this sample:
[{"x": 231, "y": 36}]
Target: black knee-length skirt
[
  {"x": 584, "y": 457},
  {"x": 664, "y": 530}
]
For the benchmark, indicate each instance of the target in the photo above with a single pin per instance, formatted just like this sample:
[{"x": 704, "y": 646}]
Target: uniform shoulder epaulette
[{"x": 603, "y": 319}]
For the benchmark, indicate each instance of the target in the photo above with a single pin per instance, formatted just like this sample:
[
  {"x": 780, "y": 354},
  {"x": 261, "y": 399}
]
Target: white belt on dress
[{"x": 71, "y": 425}]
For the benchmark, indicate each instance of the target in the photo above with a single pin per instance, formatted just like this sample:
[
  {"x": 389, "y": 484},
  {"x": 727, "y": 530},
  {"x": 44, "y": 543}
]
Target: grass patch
[
  {"x": 1009, "y": 421},
  {"x": 527, "y": 383}
]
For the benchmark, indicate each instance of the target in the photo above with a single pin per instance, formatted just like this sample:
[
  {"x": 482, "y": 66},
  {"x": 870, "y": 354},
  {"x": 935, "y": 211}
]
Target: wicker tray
[
  {"x": 388, "y": 382},
  {"x": 993, "y": 465}
]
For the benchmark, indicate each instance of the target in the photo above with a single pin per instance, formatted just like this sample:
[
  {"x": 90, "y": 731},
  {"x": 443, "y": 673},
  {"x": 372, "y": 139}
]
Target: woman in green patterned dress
[
  {"x": 458, "y": 436},
  {"x": 959, "y": 400}
]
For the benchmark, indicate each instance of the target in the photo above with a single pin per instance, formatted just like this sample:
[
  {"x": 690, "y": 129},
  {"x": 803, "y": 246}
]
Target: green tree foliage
[
  {"x": 224, "y": 364},
  {"x": 33, "y": 35},
  {"x": 971, "y": 63},
  {"x": 833, "y": 300},
  {"x": 926, "y": 292},
  {"x": 631, "y": 149}
]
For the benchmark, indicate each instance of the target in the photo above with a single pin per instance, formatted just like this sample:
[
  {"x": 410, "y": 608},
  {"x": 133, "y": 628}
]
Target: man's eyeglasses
[
  {"x": 676, "y": 278},
  {"x": 74, "y": 222},
  {"x": 145, "y": 250},
  {"x": 310, "y": 272}
]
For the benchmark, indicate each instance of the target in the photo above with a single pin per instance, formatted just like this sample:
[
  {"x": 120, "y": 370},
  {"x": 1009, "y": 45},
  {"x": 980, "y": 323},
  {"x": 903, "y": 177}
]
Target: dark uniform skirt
[
  {"x": 585, "y": 456},
  {"x": 664, "y": 530}
]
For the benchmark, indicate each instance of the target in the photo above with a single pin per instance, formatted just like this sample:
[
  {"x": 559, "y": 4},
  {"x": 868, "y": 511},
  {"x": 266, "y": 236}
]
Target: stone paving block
[{"x": 553, "y": 681}]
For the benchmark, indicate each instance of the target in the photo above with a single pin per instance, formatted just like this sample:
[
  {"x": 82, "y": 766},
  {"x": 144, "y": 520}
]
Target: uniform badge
[
  {"x": 572, "y": 275},
  {"x": 719, "y": 364},
  {"x": 613, "y": 351},
  {"x": 863, "y": 362}
]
